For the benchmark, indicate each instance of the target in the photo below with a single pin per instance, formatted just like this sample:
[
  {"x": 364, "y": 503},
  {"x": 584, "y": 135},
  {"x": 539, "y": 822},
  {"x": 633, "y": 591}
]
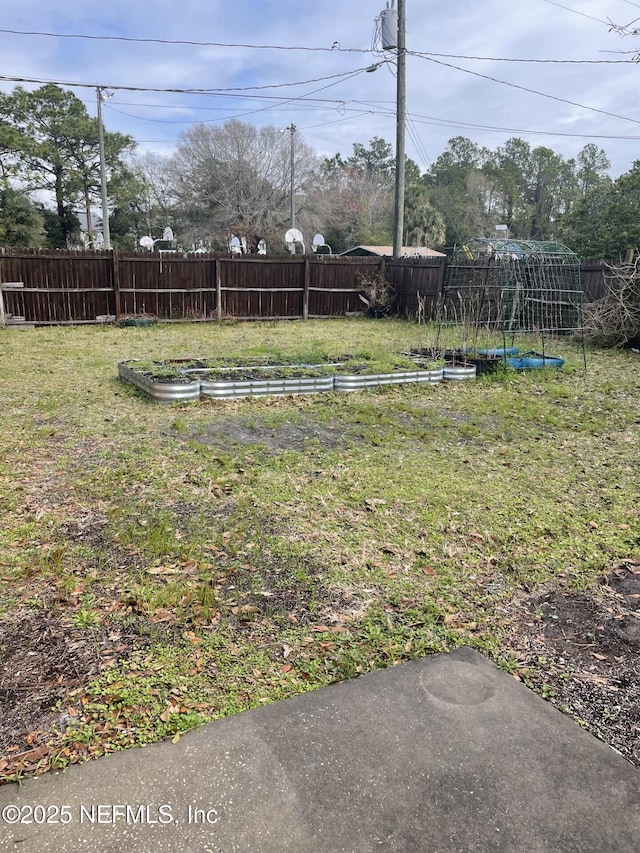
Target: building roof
[{"x": 382, "y": 251}]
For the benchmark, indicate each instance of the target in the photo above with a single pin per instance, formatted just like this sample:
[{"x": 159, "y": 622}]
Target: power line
[
  {"x": 417, "y": 141},
  {"x": 576, "y": 12},
  {"x": 356, "y": 115},
  {"x": 372, "y": 108},
  {"x": 194, "y": 91},
  {"x": 238, "y": 114},
  {"x": 428, "y": 54},
  {"x": 335, "y": 49},
  {"x": 296, "y": 83},
  {"x": 282, "y": 103},
  {"x": 434, "y": 121},
  {"x": 310, "y": 105},
  {"x": 180, "y": 106},
  {"x": 331, "y": 105},
  {"x": 307, "y": 94},
  {"x": 492, "y": 129},
  {"x": 531, "y": 91}
]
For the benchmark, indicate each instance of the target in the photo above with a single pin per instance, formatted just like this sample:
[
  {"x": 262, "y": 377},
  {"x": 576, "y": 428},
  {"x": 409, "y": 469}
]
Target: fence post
[
  {"x": 305, "y": 294},
  {"x": 219, "y": 290},
  {"x": 116, "y": 282}
]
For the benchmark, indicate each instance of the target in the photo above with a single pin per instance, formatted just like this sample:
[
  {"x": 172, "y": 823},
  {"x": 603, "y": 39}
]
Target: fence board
[
  {"x": 593, "y": 281},
  {"x": 84, "y": 287},
  {"x": 416, "y": 277},
  {"x": 59, "y": 286}
]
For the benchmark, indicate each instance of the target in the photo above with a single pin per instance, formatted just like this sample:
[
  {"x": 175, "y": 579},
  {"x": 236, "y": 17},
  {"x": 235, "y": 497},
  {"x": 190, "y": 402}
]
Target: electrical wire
[
  {"x": 296, "y": 83},
  {"x": 190, "y": 43},
  {"x": 576, "y": 12},
  {"x": 356, "y": 115},
  {"x": 239, "y": 113},
  {"x": 282, "y": 103},
  {"x": 489, "y": 128},
  {"x": 371, "y": 108},
  {"x": 120, "y": 88},
  {"x": 428, "y": 54},
  {"x": 531, "y": 91},
  {"x": 417, "y": 141},
  {"x": 433, "y": 121}
]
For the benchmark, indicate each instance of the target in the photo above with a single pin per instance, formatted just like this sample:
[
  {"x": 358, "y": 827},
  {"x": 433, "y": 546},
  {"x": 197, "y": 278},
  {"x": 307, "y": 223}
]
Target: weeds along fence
[{"x": 51, "y": 287}]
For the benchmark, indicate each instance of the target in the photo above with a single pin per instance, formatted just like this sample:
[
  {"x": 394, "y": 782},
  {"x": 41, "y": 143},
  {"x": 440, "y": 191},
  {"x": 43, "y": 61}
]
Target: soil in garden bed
[
  {"x": 265, "y": 374},
  {"x": 464, "y": 358},
  {"x": 259, "y": 369},
  {"x": 256, "y": 368}
]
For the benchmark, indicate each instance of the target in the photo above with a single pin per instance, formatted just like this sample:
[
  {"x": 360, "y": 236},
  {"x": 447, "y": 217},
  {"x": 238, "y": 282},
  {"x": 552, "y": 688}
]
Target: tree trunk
[
  {"x": 87, "y": 204},
  {"x": 62, "y": 213}
]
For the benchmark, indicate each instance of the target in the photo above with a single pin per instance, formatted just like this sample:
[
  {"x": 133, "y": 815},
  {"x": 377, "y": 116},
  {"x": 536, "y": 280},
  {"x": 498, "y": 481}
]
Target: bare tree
[
  {"x": 236, "y": 179},
  {"x": 355, "y": 204},
  {"x": 157, "y": 201}
]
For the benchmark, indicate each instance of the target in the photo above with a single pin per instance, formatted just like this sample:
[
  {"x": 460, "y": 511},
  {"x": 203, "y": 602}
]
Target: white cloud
[{"x": 507, "y": 28}]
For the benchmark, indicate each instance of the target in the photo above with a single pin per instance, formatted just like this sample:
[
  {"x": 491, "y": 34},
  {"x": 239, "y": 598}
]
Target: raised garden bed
[
  {"x": 257, "y": 382},
  {"x": 182, "y": 380},
  {"x": 459, "y": 372},
  {"x": 170, "y": 389},
  {"x": 356, "y": 381}
]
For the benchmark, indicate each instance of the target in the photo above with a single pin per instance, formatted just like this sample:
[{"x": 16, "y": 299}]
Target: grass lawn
[{"x": 165, "y": 565}]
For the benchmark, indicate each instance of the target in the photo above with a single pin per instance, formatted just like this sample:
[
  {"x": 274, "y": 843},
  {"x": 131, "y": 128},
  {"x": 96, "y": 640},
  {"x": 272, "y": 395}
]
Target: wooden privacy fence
[
  {"x": 92, "y": 287},
  {"x": 58, "y": 287},
  {"x": 411, "y": 277},
  {"x": 593, "y": 280}
]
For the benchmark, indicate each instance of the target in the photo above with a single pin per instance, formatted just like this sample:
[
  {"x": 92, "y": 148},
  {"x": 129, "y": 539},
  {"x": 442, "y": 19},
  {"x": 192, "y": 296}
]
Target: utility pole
[
  {"x": 292, "y": 197},
  {"x": 401, "y": 115},
  {"x": 103, "y": 175}
]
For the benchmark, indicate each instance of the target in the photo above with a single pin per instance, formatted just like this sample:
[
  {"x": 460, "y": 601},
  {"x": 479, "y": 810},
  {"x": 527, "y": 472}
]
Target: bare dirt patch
[
  {"x": 582, "y": 652},
  {"x": 233, "y": 433},
  {"x": 42, "y": 658}
]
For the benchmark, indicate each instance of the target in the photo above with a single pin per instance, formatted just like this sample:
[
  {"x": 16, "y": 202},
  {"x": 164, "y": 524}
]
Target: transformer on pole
[{"x": 389, "y": 27}]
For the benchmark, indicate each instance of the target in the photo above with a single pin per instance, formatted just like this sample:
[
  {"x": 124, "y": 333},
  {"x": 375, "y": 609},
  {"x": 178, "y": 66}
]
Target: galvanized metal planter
[
  {"x": 459, "y": 372},
  {"x": 162, "y": 392},
  {"x": 221, "y": 389},
  {"x": 217, "y": 387},
  {"x": 356, "y": 382}
]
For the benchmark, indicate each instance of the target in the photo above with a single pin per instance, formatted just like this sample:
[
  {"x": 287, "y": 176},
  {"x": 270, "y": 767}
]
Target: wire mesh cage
[{"x": 497, "y": 288}]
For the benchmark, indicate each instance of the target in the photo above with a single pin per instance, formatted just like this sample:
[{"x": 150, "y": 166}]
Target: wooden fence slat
[
  {"x": 78, "y": 287},
  {"x": 305, "y": 292},
  {"x": 116, "y": 283}
]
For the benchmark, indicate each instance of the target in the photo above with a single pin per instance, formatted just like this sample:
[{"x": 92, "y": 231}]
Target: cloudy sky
[{"x": 277, "y": 62}]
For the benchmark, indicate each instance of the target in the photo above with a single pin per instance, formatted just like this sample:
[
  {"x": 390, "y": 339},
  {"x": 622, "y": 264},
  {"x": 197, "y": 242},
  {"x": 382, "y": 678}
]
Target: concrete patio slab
[{"x": 445, "y": 755}]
